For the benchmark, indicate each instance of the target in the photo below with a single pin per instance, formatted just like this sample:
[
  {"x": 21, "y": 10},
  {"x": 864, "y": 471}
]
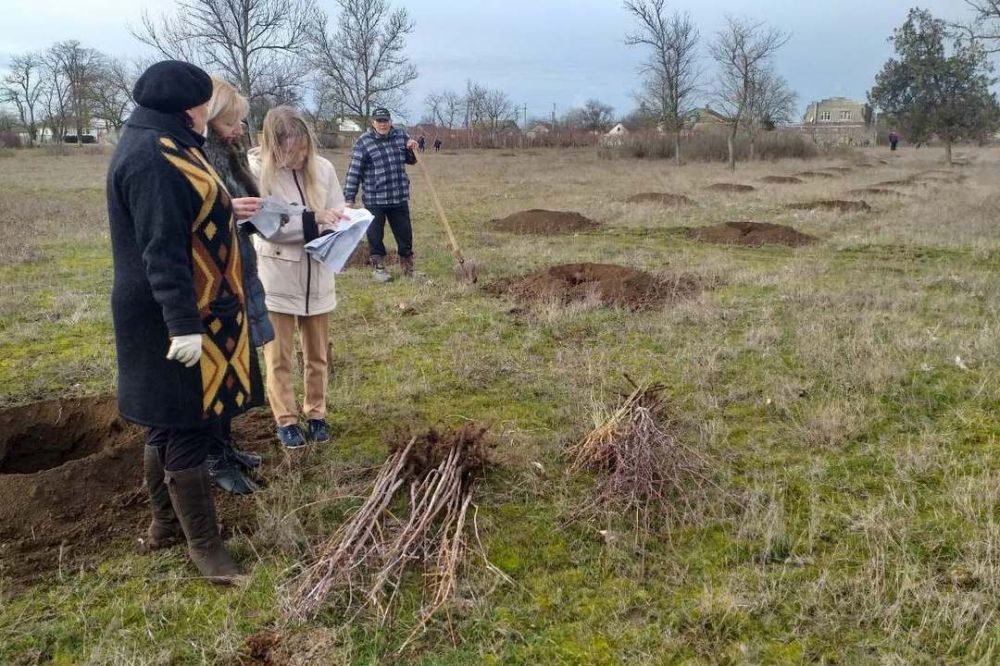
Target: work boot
[
  {"x": 229, "y": 477},
  {"x": 379, "y": 274},
  {"x": 164, "y": 530},
  {"x": 191, "y": 495},
  {"x": 406, "y": 263}
]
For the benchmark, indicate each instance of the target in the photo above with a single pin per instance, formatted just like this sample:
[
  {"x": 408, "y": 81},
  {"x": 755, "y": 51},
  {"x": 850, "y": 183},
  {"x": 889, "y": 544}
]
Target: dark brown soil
[
  {"x": 814, "y": 174},
  {"x": 835, "y": 205},
  {"x": 753, "y": 234},
  {"x": 273, "y": 647},
  {"x": 730, "y": 187},
  {"x": 607, "y": 284},
  {"x": 71, "y": 485},
  {"x": 882, "y": 191},
  {"x": 362, "y": 257},
  {"x": 538, "y": 221},
  {"x": 661, "y": 198},
  {"x": 781, "y": 180}
]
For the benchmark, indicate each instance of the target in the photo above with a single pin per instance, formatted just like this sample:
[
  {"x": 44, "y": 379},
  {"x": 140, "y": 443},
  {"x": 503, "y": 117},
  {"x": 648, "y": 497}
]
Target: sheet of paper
[
  {"x": 334, "y": 249},
  {"x": 267, "y": 221}
]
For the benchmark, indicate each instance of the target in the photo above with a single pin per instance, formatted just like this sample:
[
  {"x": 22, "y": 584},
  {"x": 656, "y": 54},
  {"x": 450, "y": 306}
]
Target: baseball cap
[{"x": 381, "y": 113}]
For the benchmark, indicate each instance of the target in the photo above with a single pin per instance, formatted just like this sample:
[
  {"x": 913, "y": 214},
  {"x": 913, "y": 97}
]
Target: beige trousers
[{"x": 279, "y": 357}]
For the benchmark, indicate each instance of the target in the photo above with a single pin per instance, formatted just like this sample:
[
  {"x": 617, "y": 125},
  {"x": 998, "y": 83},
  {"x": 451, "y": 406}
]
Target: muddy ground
[
  {"x": 752, "y": 234},
  {"x": 605, "y": 284},
  {"x": 71, "y": 490},
  {"x": 537, "y": 221}
]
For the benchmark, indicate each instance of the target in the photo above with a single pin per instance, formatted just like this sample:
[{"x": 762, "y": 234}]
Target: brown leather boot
[
  {"x": 406, "y": 263},
  {"x": 191, "y": 494},
  {"x": 164, "y": 530}
]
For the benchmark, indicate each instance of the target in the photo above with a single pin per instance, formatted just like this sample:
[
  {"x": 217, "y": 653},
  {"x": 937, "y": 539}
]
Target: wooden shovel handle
[{"x": 440, "y": 212}]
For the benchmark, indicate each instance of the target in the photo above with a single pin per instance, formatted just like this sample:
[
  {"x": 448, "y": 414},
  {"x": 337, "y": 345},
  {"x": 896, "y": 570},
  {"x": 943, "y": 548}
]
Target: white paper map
[{"x": 334, "y": 249}]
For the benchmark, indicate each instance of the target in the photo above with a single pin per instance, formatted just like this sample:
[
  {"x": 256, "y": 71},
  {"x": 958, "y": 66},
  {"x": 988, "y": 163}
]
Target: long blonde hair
[
  {"x": 226, "y": 101},
  {"x": 281, "y": 124}
]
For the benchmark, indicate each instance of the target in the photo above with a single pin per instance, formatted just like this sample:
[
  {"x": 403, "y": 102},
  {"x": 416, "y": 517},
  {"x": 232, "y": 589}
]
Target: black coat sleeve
[{"x": 164, "y": 207}]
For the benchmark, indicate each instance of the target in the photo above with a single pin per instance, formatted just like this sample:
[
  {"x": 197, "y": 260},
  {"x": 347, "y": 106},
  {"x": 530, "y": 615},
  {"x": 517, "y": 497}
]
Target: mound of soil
[
  {"x": 814, "y": 174},
  {"x": 607, "y": 284},
  {"x": 835, "y": 205},
  {"x": 730, "y": 187},
  {"x": 753, "y": 234},
  {"x": 71, "y": 485},
  {"x": 781, "y": 180},
  {"x": 839, "y": 169},
  {"x": 661, "y": 198},
  {"x": 863, "y": 191},
  {"x": 538, "y": 221},
  {"x": 895, "y": 183},
  {"x": 361, "y": 258}
]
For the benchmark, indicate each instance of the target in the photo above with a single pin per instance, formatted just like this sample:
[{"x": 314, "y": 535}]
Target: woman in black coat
[{"x": 178, "y": 305}]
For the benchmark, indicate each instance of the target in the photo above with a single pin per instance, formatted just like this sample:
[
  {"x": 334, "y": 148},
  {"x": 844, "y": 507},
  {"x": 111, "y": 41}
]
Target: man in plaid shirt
[{"x": 378, "y": 166}]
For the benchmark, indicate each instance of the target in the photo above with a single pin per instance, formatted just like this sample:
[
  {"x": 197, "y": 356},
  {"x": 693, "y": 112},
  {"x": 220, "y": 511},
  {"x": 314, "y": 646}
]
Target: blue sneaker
[
  {"x": 291, "y": 436},
  {"x": 319, "y": 431}
]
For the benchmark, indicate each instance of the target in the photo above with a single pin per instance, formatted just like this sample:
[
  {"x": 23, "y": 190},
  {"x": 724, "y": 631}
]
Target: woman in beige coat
[{"x": 300, "y": 291}]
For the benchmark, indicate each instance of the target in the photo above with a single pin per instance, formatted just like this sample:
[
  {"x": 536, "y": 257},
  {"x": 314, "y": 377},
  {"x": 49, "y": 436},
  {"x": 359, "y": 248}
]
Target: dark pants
[
  {"x": 182, "y": 449},
  {"x": 222, "y": 432},
  {"x": 892, "y": 145},
  {"x": 399, "y": 221}
]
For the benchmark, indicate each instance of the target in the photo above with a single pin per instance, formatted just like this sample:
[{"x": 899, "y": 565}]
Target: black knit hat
[{"x": 172, "y": 86}]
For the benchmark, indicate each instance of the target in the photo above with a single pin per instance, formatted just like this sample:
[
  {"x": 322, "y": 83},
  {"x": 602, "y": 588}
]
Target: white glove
[{"x": 185, "y": 349}]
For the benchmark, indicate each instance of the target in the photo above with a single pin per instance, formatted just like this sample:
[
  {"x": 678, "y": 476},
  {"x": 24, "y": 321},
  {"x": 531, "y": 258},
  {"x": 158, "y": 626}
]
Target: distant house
[
  {"x": 838, "y": 120},
  {"x": 705, "y": 119},
  {"x": 538, "y": 130},
  {"x": 837, "y": 111},
  {"x": 348, "y": 125},
  {"x": 615, "y": 135}
]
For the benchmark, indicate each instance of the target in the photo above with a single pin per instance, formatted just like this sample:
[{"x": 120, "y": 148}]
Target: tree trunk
[
  {"x": 731, "y": 145},
  {"x": 677, "y": 147},
  {"x": 753, "y": 146},
  {"x": 947, "y": 151}
]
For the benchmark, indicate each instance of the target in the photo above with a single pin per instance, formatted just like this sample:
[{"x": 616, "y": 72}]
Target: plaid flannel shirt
[{"x": 378, "y": 167}]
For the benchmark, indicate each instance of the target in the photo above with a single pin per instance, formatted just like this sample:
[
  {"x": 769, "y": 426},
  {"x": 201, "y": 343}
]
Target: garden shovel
[{"x": 465, "y": 270}]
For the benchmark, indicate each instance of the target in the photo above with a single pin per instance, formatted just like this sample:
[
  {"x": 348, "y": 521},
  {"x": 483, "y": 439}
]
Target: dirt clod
[
  {"x": 781, "y": 180},
  {"x": 661, "y": 198},
  {"x": 835, "y": 205},
  {"x": 730, "y": 187},
  {"x": 606, "y": 284},
  {"x": 537, "y": 221},
  {"x": 753, "y": 234}
]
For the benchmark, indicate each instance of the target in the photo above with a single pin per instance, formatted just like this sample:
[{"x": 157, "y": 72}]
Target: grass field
[{"x": 847, "y": 390}]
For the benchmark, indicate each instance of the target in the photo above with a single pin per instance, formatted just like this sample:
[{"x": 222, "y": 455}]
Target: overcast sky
[{"x": 542, "y": 52}]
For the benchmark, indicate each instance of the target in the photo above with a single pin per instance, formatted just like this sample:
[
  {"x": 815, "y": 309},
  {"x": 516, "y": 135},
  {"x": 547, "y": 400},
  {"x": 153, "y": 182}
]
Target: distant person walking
[
  {"x": 893, "y": 140},
  {"x": 437, "y": 145},
  {"x": 378, "y": 166},
  {"x": 422, "y": 143}
]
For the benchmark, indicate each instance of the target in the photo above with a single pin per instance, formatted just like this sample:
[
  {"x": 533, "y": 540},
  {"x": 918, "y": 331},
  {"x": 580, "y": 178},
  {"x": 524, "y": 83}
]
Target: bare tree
[
  {"x": 671, "y": 71},
  {"x": 593, "y": 116},
  {"x": 55, "y": 98},
  {"x": 23, "y": 88},
  {"x": 256, "y": 44},
  {"x": 445, "y": 108},
  {"x": 984, "y": 29},
  {"x": 111, "y": 97},
  {"x": 771, "y": 103},
  {"x": 79, "y": 67},
  {"x": 742, "y": 50},
  {"x": 363, "y": 61}
]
